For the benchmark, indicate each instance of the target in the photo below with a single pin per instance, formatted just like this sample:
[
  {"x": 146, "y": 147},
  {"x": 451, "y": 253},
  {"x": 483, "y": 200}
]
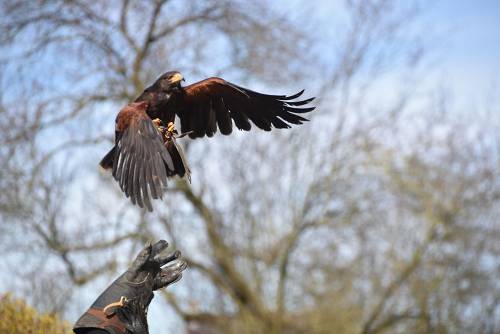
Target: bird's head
[{"x": 169, "y": 81}]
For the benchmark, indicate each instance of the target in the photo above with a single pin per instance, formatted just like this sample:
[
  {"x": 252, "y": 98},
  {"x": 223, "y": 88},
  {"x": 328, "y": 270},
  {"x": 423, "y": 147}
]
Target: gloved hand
[{"x": 123, "y": 306}]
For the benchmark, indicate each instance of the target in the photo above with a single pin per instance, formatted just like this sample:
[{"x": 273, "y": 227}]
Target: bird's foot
[
  {"x": 161, "y": 129},
  {"x": 165, "y": 133},
  {"x": 170, "y": 130},
  {"x": 157, "y": 122},
  {"x": 171, "y": 127}
]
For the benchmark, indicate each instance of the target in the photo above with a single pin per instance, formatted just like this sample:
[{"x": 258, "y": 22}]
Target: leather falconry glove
[{"x": 122, "y": 308}]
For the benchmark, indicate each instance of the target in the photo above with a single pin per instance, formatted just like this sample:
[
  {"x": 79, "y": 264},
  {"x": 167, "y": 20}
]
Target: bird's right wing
[{"x": 141, "y": 163}]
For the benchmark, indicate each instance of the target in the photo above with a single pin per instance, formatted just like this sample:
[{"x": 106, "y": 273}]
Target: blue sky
[
  {"x": 471, "y": 54},
  {"x": 465, "y": 40}
]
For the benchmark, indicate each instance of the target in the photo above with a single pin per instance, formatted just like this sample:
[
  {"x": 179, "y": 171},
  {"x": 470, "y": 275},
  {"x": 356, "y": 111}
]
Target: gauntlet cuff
[{"x": 96, "y": 318}]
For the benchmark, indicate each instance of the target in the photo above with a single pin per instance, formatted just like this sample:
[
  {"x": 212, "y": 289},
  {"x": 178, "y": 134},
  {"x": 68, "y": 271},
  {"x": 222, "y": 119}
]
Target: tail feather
[
  {"x": 107, "y": 161},
  {"x": 180, "y": 162}
]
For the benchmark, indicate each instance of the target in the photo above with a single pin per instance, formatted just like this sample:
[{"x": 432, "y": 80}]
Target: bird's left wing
[
  {"x": 141, "y": 163},
  {"x": 214, "y": 102}
]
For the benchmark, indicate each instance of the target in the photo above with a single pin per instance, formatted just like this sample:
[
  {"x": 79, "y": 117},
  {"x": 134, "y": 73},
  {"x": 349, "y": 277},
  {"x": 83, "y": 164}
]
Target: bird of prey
[{"x": 145, "y": 153}]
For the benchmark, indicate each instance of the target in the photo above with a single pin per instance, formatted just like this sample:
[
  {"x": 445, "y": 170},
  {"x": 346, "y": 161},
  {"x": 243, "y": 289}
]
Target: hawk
[{"x": 145, "y": 153}]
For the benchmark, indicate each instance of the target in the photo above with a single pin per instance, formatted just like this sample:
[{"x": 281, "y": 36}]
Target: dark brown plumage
[
  {"x": 143, "y": 158},
  {"x": 140, "y": 160}
]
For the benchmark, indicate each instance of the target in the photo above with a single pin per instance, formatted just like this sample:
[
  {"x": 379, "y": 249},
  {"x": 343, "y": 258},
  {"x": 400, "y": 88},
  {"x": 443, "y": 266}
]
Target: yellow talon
[
  {"x": 157, "y": 122},
  {"x": 170, "y": 127}
]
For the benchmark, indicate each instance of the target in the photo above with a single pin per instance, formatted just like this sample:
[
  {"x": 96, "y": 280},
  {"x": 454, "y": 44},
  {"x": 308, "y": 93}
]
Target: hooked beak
[{"x": 177, "y": 77}]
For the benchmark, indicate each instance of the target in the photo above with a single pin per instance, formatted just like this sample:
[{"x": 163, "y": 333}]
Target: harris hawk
[{"x": 145, "y": 153}]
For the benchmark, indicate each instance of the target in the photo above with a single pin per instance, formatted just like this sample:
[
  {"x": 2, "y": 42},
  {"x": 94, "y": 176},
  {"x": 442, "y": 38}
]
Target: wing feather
[
  {"x": 223, "y": 118},
  {"x": 141, "y": 160},
  {"x": 149, "y": 178},
  {"x": 144, "y": 188},
  {"x": 212, "y": 121},
  {"x": 214, "y": 102}
]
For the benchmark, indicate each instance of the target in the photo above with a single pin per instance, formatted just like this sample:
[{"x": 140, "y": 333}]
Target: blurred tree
[{"x": 372, "y": 219}]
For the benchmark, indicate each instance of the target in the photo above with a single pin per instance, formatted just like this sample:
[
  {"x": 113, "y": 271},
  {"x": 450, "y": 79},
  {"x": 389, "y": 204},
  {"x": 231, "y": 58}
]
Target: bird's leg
[
  {"x": 157, "y": 122},
  {"x": 171, "y": 127},
  {"x": 161, "y": 129},
  {"x": 167, "y": 132},
  {"x": 170, "y": 130}
]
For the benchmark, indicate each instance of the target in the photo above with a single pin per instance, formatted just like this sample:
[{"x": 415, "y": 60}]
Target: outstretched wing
[
  {"x": 141, "y": 163},
  {"x": 214, "y": 102}
]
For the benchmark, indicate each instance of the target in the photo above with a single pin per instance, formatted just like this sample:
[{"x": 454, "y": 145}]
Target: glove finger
[
  {"x": 176, "y": 266},
  {"x": 170, "y": 274},
  {"x": 162, "y": 282},
  {"x": 166, "y": 258},
  {"x": 142, "y": 257},
  {"x": 158, "y": 247}
]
